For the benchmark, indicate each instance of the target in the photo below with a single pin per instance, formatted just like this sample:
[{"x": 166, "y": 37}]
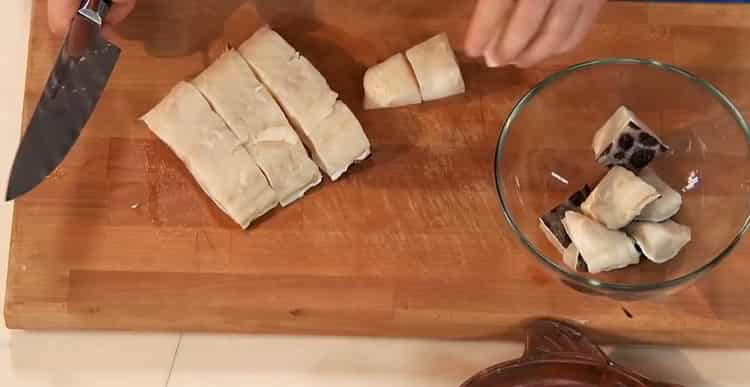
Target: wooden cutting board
[{"x": 409, "y": 243}]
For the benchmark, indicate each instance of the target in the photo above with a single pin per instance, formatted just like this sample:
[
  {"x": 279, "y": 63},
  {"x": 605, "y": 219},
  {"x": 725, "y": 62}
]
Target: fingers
[
  {"x": 584, "y": 23},
  {"x": 119, "y": 11},
  {"x": 526, "y": 20},
  {"x": 109, "y": 33},
  {"x": 59, "y": 14},
  {"x": 558, "y": 26},
  {"x": 526, "y": 32},
  {"x": 489, "y": 18}
]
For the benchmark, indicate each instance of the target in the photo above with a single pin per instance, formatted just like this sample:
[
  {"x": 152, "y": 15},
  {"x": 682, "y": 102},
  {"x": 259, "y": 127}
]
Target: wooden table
[{"x": 410, "y": 243}]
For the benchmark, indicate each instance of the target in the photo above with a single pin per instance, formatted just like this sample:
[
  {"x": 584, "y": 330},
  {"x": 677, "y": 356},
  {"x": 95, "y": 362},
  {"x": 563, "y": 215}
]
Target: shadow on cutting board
[
  {"x": 197, "y": 26},
  {"x": 169, "y": 29}
]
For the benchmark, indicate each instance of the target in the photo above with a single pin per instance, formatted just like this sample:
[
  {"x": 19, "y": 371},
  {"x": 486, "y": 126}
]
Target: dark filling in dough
[
  {"x": 647, "y": 139},
  {"x": 581, "y": 266},
  {"x": 626, "y": 141},
  {"x": 580, "y": 196},
  {"x": 641, "y": 158},
  {"x": 553, "y": 219},
  {"x": 634, "y": 148}
]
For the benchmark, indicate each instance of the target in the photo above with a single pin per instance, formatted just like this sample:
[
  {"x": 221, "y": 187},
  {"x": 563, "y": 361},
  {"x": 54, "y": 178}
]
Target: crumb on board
[
  {"x": 559, "y": 177},
  {"x": 135, "y": 206}
]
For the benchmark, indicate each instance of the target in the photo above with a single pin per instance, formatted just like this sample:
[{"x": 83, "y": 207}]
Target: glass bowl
[{"x": 544, "y": 154}]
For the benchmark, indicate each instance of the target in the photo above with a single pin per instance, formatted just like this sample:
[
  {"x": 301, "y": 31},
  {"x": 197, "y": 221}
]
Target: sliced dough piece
[
  {"x": 666, "y": 206},
  {"x": 436, "y": 68},
  {"x": 339, "y": 140},
  {"x": 301, "y": 90},
  {"x": 602, "y": 249},
  {"x": 627, "y": 141},
  {"x": 391, "y": 84},
  {"x": 251, "y": 112},
  {"x": 618, "y": 198},
  {"x": 551, "y": 222},
  {"x": 200, "y": 138},
  {"x": 660, "y": 242},
  {"x": 572, "y": 258},
  {"x": 282, "y": 157},
  {"x": 330, "y": 131}
]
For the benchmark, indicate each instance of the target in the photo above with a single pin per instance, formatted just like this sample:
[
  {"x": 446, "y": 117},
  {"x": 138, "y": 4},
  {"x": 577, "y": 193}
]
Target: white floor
[{"x": 32, "y": 359}]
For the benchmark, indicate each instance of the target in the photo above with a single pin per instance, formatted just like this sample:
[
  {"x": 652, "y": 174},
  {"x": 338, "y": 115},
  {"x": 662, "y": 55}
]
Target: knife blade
[{"x": 82, "y": 70}]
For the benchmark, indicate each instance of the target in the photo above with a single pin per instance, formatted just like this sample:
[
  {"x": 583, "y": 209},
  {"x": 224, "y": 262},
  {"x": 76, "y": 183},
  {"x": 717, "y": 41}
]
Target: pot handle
[
  {"x": 548, "y": 338},
  {"x": 551, "y": 338}
]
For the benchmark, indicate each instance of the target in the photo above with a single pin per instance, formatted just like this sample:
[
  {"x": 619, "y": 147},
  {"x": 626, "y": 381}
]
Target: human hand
[
  {"x": 60, "y": 12},
  {"x": 526, "y": 32}
]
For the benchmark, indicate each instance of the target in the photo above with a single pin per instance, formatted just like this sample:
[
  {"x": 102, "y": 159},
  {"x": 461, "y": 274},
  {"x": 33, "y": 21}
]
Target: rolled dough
[{"x": 200, "y": 138}]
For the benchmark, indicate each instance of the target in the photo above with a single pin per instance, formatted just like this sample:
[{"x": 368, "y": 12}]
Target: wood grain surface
[{"x": 409, "y": 243}]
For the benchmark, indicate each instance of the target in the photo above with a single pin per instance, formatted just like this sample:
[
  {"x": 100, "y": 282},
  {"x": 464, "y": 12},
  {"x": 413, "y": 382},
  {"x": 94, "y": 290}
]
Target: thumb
[
  {"x": 110, "y": 34},
  {"x": 119, "y": 11}
]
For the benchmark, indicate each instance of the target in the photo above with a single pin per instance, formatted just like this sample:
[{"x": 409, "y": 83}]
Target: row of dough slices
[
  {"x": 229, "y": 130},
  {"x": 429, "y": 71}
]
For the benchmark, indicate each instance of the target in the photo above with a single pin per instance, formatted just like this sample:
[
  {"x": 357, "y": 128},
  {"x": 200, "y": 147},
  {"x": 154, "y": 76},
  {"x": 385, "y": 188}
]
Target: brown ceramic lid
[{"x": 559, "y": 355}]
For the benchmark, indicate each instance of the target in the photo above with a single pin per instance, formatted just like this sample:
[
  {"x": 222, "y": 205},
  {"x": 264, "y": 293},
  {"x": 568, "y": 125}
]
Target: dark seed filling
[
  {"x": 634, "y": 126},
  {"x": 641, "y": 158},
  {"x": 647, "y": 139},
  {"x": 626, "y": 141},
  {"x": 580, "y": 196},
  {"x": 553, "y": 219},
  {"x": 634, "y": 148},
  {"x": 582, "y": 267}
]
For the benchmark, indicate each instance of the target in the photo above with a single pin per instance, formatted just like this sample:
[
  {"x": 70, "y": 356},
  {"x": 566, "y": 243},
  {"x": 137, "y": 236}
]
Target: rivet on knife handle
[{"x": 95, "y": 10}]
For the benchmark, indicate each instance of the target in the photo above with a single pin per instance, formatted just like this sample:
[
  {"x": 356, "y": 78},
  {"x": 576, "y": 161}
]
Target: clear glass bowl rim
[{"x": 591, "y": 282}]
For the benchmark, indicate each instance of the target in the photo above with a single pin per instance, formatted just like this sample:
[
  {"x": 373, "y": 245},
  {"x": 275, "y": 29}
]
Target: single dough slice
[
  {"x": 339, "y": 140},
  {"x": 602, "y": 249},
  {"x": 626, "y": 140},
  {"x": 333, "y": 135},
  {"x": 282, "y": 157},
  {"x": 251, "y": 113},
  {"x": 666, "y": 206},
  {"x": 572, "y": 258},
  {"x": 618, "y": 198},
  {"x": 660, "y": 242},
  {"x": 551, "y": 222},
  {"x": 436, "y": 68},
  {"x": 198, "y": 136},
  {"x": 391, "y": 84},
  {"x": 301, "y": 90}
]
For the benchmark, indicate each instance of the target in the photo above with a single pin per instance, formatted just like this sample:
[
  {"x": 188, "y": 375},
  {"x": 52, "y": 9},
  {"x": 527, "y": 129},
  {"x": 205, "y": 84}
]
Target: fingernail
[
  {"x": 491, "y": 62},
  {"x": 472, "y": 53},
  {"x": 522, "y": 65}
]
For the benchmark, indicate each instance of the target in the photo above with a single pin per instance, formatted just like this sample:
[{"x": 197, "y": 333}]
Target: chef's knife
[{"x": 83, "y": 68}]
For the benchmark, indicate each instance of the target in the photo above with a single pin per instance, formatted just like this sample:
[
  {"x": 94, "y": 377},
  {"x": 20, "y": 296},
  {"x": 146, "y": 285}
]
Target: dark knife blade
[{"x": 81, "y": 72}]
